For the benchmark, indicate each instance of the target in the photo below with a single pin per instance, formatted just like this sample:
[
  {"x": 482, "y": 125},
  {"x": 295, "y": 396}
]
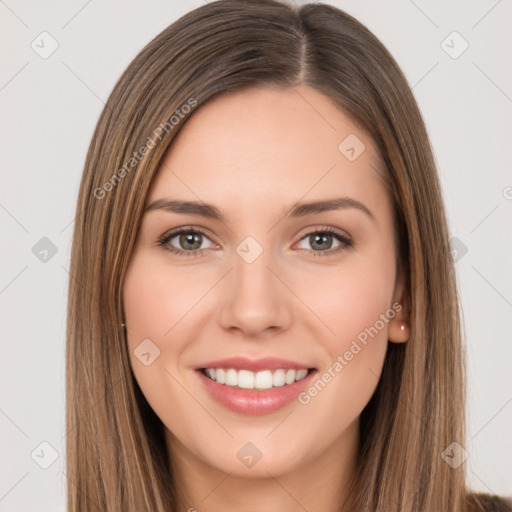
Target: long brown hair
[{"x": 116, "y": 453}]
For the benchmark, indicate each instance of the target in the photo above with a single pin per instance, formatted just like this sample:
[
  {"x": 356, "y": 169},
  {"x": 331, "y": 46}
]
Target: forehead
[{"x": 261, "y": 146}]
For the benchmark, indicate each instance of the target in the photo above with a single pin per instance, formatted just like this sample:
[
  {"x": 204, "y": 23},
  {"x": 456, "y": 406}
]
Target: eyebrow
[{"x": 298, "y": 209}]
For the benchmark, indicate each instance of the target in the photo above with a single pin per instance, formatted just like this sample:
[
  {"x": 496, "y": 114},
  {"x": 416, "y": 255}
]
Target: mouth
[{"x": 269, "y": 385}]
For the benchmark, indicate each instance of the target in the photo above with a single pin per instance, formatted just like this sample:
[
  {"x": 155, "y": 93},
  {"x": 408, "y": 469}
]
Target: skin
[{"x": 253, "y": 154}]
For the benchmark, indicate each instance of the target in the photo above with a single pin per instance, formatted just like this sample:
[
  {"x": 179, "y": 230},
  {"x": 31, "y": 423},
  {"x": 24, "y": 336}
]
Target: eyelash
[{"x": 165, "y": 239}]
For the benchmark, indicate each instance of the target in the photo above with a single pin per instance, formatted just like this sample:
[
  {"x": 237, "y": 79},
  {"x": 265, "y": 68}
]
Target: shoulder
[{"x": 479, "y": 502}]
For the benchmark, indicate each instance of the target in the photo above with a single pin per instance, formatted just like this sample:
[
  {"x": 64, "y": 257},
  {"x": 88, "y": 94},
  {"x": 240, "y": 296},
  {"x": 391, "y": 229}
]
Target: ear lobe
[
  {"x": 399, "y": 327},
  {"x": 398, "y": 332}
]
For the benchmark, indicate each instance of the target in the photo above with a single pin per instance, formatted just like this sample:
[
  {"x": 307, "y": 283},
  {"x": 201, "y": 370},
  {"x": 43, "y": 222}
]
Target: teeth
[
  {"x": 231, "y": 377},
  {"x": 243, "y": 379},
  {"x": 246, "y": 379},
  {"x": 279, "y": 378}
]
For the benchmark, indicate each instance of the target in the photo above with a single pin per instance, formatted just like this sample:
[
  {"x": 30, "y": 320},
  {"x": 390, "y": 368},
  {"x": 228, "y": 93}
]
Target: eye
[
  {"x": 322, "y": 240},
  {"x": 189, "y": 241}
]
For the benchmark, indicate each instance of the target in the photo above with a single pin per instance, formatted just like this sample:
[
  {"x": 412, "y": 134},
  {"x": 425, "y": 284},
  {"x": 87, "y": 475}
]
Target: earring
[
  {"x": 402, "y": 327},
  {"x": 123, "y": 325}
]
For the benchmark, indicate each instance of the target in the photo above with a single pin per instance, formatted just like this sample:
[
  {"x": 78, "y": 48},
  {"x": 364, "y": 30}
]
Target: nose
[{"x": 254, "y": 297}]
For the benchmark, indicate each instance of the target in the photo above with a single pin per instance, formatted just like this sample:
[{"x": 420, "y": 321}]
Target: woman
[{"x": 252, "y": 369}]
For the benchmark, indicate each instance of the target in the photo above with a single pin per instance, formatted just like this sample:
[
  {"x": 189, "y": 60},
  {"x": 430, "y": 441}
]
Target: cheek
[
  {"x": 155, "y": 304},
  {"x": 350, "y": 299},
  {"x": 158, "y": 304},
  {"x": 353, "y": 303},
  {"x": 360, "y": 312},
  {"x": 162, "y": 306},
  {"x": 158, "y": 299}
]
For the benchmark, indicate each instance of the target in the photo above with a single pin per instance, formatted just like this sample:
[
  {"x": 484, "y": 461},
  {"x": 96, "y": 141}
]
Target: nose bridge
[
  {"x": 254, "y": 297},
  {"x": 252, "y": 277}
]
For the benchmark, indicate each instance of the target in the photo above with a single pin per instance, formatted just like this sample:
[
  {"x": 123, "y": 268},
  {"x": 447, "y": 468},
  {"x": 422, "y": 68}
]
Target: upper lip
[{"x": 254, "y": 365}]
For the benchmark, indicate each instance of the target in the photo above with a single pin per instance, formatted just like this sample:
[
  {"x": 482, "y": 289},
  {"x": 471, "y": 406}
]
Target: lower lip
[{"x": 253, "y": 401}]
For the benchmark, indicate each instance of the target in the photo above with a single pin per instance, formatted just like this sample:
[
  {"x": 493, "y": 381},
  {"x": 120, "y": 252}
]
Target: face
[{"x": 255, "y": 277}]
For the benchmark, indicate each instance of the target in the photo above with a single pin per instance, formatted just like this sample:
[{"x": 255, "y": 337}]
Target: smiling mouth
[{"x": 261, "y": 380}]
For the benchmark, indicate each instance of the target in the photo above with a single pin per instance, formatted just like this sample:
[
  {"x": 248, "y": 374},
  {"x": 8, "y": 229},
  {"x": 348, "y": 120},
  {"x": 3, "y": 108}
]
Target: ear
[{"x": 399, "y": 326}]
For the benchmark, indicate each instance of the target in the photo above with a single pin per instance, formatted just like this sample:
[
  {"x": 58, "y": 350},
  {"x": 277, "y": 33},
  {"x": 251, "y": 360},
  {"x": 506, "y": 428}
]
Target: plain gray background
[{"x": 49, "y": 108}]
